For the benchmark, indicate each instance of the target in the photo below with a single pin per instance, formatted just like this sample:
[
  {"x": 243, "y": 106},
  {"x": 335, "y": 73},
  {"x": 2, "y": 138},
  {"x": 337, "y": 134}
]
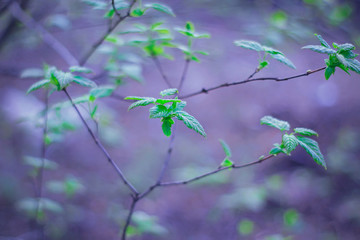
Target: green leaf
[
  {"x": 146, "y": 101},
  {"x": 227, "y": 162},
  {"x": 166, "y": 126},
  {"x": 163, "y": 101},
  {"x": 168, "y": 92},
  {"x": 276, "y": 150},
  {"x": 312, "y": 148},
  {"x": 80, "y": 69},
  {"x": 137, "y": 12},
  {"x": 190, "y": 26},
  {"x": 103, "y": 91},
  {"x": 354, "y": 65},
  {"x": 345, "y": 47},
  {"x": 306, "y": 132},
  {"x": 32, "y": 73},
  {"x": 175, "y": 107},
  {"x": 322, "y": 41},
  {"x": 320, "y": 49},
  {"x": 155, "y": 25},
  {"x": 190, "y": 122},
  {"x": 84, "y": 81},
  {"x": 291, "y": 217},
  {"x": 281, "y": 58},
  {"x": 40, "y": 162},
  {"x": 249, "y": 45},
  {"x": 38, "y": 85},
  {"x": 63, "y": 79},
  {"x": 202, "y": 53},
  {"x": 328, "y": 71},
  {"x": 290, "y": 142},
  {"x": 159, "y": 111},
  {"x": 226, "y": 148},
  {"x": 134, "y": 98},
  {"x": 246, "y": 227},
  {"x": 271, "y": 50},
  {"x": 263, "y": 64},
  {"x": 161, "y": 8},
  {"x": 96, "y": 4},
  {"x": 133, "y": 71},
  {"x": 276, "y": 123}
]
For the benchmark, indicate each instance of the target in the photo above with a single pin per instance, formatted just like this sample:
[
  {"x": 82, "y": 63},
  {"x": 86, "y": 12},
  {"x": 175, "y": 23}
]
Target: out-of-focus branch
[
  {"x": 183, "y": 76},
  {"x": 161, "y": 70},
  {"x": 207, "y": 90},
  {"x": 49, "y": 39}
]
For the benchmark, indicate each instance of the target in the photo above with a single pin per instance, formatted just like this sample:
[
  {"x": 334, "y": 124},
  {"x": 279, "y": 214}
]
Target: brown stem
[
  {"x": 207, "y": 90},
  {"x": 99, "y": 144}
]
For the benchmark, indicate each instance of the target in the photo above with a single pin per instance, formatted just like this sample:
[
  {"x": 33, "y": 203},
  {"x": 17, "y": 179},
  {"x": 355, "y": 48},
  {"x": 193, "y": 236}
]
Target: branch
[
  {"x": 204, "y": 90},
  {"x": 115, "y": 10},
  {"x": 128, "y": 219},
  {"x": 159, "y": 67},
  {"x": 87, "y": 55},
  {"x": 183, "y": 76},
  {"x": 99, "y": 144},
  {"x": 165, "y": 184},
  {"x": 49, "y": 39}
]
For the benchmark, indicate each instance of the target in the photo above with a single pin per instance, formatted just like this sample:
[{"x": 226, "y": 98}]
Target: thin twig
[
  {"x": 128, "y": 219},
  {"x": 183, "y": 76},
  {"x": 87, "y": 55},
  {"x": 115, "y": 10},
  {"x": 99, "y": 144},
  {"x": 207, "y": 90},
  {"x": 168, "y": 156},
  {"x": 165, "y": 184},
  {"x": 49, "y": 39},
  {"x": 159, "y": 67}
]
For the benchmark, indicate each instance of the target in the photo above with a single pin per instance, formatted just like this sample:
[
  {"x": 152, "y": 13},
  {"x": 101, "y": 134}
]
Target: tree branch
[
  {"x": 159, "y": 67},
  {"x": 91, "y": 51},
  {"x": 183, "y": 76},
  {"x": 49, "y": 39},
  {"x": 165, "y": 184},
  {"x": 99, "y": 144},
  {"x": 207, "y": 90},
  {"x": 115, "y": 10},
  {"x": 128, "y": 219}
]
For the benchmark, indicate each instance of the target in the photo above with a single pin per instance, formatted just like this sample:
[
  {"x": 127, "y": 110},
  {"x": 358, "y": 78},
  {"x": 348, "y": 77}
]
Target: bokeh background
[{"x": 288, "y": 197}]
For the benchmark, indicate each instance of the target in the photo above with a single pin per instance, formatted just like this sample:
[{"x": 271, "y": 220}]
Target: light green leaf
[
  {"x": 276, "y": 150},
  {"x": 281, "y": 58},
  {"x": 40, "y": 162},
  {"x": 276, "y": 123},
  {"x": 328, "y": 71},
  {"x": 96, "y": 4},
  {"x": 175, "y": 107},
  {"x": 137, "y": 12},
  {"x": 354, "y": 65},
  {"x": 32, "y": 73},
  {"x": 190, "y": 122},
  {"x": 227, "y": 162},
  {"x": 202, "y": 53},
  {"x": 159, "y": 111},
  {"x": 249, "y": 45},
  {"x": 161, "y": 8},
  {"x": 322, "y": 41},
  {"x": 84, "y": 81},
  {"x": 103, "y": 91},
  {"x": 133, "y": 71},
  {"x": 312, "y": 148},
  {"x": 306, "y": 132},
  {"x": 38, "y": 85},
  {"x": 80, "y": 69},
  {"x": 168, "y": 92},
  {"x": 146, "y": 101},
  {"x": 163, "y": 101},
  {"x": 246, "y": 227},
  {"x": 320, "y": 49},
  {"x": 155, "y": 25},
  {"x": 166, "y": 126},
  {"x": 134, "y": 98},
  {"x": 63, "y": 79},
  {"x": 271, "y": 50},
  {"x": 290, "y": 142},
  {"x": 345, "y": 47},
  {"x": 226, "y": 148},
  {"x": 190, "y": 26}
]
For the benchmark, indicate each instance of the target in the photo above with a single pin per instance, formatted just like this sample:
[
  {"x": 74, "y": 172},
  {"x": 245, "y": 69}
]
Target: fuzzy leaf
[
  {"x": 226, "y": 148},
  {"x": 281, "y": 58},
  {"x": 271, "y": 50},
  {"x": 328, "y": 71},
  {"x": 39, "y": 163},
  {"x": 276, "y": 123},
  {"x": 102, "y": 91},
  {"x": 322, "y": 41},
  {"x": 312, "y": 148},
  {"x": 161, "y": 8},
  {"x": 276, "y": 150},
  {"x": 190, "y": 122},
  {"x": 38, "y": 85},
  {"x": 320, "y": 49},
  {"x": 159, "y": 111},
  {"x": 63, "y": 79},
  {"x": 32, "y": 73},
  {"x": 146, "y": 101},
  {"x": 168, "y": 92},
  {"x": 80, "y": 69},
  {"x": 249, "y": 45},
  {"x": 166, "y": 126},
  {"x": 345, "y": 47},
  {"x": 306, "y": 132},
  {"x": 290, "y": 142},
  {"x": 84, "y": 81},
  {"x": 354, "y": 65}
]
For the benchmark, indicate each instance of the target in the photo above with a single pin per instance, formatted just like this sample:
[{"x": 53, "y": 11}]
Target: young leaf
[
  {"x": 328, "y": 71},
  {"x": 249, "y": 45},
  {"x": 166, "y": 126},
  {"x": 190, "y": 26},
  {"x": 161, "y": 8},
  {"x": 276, "y": 150},
  {"x": 38, "y": 85},
  {"x": 168, "y": 92},
  {"x": 306, "y": 132},
  {"x": 63, "y": 79},
  {"x": 290, "y": 142},
  {"x": 84, "y": 81},
  {"x": 320, "y": 49},
  {"x": 146, "y": 101},
  {"x": 312, "y": 148},
  {"x": 190, "y": 122},
  {"x": 271, "y": 50},
  {"x": 345, "y": 47},
  {"x": 80, "y": 69},
  {"x": 281, "y": 58},
  {"x": 226, "y": 148},
  {"x": 322, "y": 41},
  {"x": 163, "y": 101},
  {"x": 103, "y": 91},
  {"x": 134, "y": 98},
  {"x": 137, "y": 12},
  {"x": 39, "y": 162},
  {"x": 276, "y": 123},
  {"x": 354, "y": 65},
  {"x": 32, "y": 73},
  {"x": 159, "y": 111},
  {"x": 227, "y": 162}
]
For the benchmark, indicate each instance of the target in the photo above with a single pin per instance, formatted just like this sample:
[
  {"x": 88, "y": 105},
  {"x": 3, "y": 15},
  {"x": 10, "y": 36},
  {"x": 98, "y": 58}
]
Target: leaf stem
[{"x": 102, "y": 148}]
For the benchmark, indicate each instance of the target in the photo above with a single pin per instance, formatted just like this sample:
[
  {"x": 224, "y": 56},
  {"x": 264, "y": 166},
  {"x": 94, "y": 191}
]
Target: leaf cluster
[
  {"x": 342, "y": 56},
  {"x": 291, "y": 140},
  {"x": 167, "y": 109}
]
